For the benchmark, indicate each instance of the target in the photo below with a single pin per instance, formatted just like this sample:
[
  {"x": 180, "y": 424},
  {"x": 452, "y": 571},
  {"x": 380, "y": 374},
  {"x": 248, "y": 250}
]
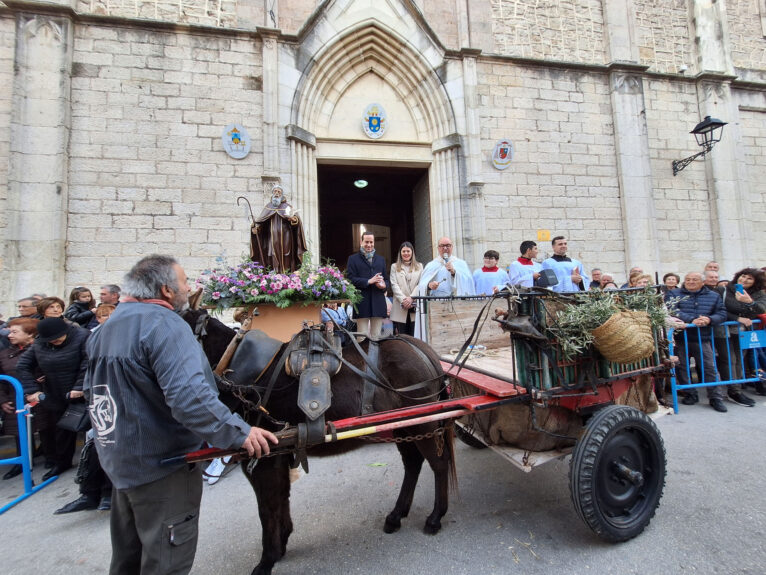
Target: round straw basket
[{"x": 625, "y": 337}]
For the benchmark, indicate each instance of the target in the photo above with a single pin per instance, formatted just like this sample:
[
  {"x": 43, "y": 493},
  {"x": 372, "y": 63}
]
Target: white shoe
[
  {"x": 214, "y": 471},
  {"x": 217, "y": 469}
]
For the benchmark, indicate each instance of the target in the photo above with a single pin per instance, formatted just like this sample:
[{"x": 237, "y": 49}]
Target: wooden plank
[
  {"x": 498, "y": 361},
  {"x": 486, "y": 383},
  {"x": 450, "y": 323}
]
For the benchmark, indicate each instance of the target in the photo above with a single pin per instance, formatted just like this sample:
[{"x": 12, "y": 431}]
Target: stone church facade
[{"x": 112, "y": 114}]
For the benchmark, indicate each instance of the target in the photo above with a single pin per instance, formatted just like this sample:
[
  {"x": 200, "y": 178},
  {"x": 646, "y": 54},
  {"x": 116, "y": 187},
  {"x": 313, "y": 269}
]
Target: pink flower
[{"x": 216, "y": 295}]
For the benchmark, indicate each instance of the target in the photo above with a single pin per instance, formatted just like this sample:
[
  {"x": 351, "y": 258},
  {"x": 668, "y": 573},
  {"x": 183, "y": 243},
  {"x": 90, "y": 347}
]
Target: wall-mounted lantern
[{"x": 708, "y": 133}]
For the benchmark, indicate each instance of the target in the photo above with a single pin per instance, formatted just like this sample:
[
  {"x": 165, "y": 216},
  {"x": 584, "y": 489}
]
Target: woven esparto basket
[{"x": 625, "y": 337}]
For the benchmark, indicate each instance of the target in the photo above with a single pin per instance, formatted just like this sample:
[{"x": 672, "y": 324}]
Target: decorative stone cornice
[
  {"x": 300, "y": 135},
  {"x": 446, "y": 143}
]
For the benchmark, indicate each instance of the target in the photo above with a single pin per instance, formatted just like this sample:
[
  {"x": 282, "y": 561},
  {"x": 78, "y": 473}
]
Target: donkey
[{"x": 403, "y": 361}]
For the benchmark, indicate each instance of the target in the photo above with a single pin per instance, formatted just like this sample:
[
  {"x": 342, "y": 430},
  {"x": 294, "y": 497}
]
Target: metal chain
[{"x": 437, "y": 433}]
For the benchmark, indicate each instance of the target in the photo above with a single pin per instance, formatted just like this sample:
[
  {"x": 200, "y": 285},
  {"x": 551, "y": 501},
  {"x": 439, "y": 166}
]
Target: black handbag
[{"x": 75, "y": 418}]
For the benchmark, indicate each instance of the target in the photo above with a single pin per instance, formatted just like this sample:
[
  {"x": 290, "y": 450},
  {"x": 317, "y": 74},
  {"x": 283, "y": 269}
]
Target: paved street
[{"x": 711, "y": 518}]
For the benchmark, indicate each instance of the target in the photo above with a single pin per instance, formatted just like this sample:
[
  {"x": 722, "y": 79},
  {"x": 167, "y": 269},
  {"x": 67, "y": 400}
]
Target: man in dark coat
[
  {"x": 703, "y": 308},
  {"x": 367, "y": 271},
  {"x": 59, "y": 353},
  {"x": 276, "y": 238}
]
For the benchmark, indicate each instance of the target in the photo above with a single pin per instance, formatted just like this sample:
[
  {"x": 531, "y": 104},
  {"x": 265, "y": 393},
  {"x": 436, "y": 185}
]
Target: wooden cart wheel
[{"x": 617, "y": 472}]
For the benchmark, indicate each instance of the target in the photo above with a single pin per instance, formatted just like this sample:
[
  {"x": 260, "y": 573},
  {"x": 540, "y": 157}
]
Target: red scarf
[
  {"x": 525, "y": 261},
  {"x": 489, "y": 270},
  {"x": 161, "y": 302}
]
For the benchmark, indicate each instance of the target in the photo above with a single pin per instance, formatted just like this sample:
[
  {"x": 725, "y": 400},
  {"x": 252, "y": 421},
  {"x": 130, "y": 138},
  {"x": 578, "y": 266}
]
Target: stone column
[
  {"x": 38, "y": 164},
  {"x": 304, "y": 191},
  {"x": 634, "y": 171},
  {"x": 474, "y": 229},
  {"x": 631, "y": 137},
  {"x": 444, "y": 186},
  {"x": 270, "y": 105},
  {"x": 731, "y": 238}
]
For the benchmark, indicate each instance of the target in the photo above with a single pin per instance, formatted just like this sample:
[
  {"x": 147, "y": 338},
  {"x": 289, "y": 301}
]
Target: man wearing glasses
[
  {"x": 27, "y": 308},
  {"x": 447, "y": 274}
]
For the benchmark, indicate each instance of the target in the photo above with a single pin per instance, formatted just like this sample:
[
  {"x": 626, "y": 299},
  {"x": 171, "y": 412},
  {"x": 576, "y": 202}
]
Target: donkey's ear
[{"x": 195, "y": 299}]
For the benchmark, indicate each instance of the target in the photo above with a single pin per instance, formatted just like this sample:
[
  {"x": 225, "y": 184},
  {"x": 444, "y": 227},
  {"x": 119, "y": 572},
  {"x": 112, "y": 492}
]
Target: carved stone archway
[{"x": 371, "y": 48}]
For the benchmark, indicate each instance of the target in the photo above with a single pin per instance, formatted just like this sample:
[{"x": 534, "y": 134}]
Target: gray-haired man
[{"x": 152, "y": 395}]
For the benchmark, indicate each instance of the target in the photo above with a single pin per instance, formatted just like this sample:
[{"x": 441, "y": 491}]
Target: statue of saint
[{"x": 276, "y": 237}]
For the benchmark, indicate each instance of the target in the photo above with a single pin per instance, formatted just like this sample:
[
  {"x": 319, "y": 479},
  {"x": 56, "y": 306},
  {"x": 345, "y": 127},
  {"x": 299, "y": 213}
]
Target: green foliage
[{"x": 574, "y": 325}]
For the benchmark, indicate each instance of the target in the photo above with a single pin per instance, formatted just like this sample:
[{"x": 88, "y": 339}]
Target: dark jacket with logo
[{"x": 62, "y": 365}]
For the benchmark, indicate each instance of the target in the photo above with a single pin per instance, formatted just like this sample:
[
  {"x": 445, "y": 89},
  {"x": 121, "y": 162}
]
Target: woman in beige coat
[{"x": 405, "y": 275}]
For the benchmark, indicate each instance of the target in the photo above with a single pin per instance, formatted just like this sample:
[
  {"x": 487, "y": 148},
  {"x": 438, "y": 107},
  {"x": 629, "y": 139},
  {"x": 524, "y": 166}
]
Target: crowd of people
[
  {"x": 703, "y": 299},
  {"x": 150, "y": 394},
  {"x": 47, "y": 347}
]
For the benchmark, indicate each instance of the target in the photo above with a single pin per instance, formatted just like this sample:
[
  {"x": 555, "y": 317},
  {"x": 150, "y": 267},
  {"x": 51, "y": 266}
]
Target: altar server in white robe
[{"x": 569, "y": 271}]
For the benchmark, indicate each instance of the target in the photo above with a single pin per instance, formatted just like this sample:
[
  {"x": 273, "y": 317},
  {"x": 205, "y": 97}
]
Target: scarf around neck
[
  {"x": 367, "y": 256},
  {"x": 488, "y": 270},
  {"x": 160, "y": 302},
  {"x": 524, "y": 261},
  {"x": 559, "y": 258}
]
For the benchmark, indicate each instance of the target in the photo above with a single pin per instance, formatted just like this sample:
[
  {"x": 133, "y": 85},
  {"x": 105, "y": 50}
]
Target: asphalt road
[{"x": 711, "y": 518}]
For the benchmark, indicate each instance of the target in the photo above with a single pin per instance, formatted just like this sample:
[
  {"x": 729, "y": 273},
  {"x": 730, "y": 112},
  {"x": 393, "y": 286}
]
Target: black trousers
[{"x": 57, "y": 444}]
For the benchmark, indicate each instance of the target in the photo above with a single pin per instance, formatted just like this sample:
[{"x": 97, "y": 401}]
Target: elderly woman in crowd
[
  {"x": 21, "y": 334},
  {"x": 671, "y": 280},
  {"x": 59, "y": 353},
  {"x": 51, "y": 307}
]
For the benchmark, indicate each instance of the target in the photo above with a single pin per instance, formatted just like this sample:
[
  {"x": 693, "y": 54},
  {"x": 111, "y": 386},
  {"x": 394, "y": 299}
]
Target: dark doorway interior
[{"x": 387, "y": 200}]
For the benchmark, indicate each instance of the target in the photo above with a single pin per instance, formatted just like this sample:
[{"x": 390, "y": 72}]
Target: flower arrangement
[{"x": 250, "y": 283}]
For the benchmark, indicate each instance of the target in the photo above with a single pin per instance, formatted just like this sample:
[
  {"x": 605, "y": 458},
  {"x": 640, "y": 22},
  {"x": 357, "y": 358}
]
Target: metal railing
[
  {"x": 745, "y": 344},
  {"x": 24, "y": 458}
]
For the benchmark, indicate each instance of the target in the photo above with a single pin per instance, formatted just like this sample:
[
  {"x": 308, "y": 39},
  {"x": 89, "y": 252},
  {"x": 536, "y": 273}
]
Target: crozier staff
[{"x": 152, "y": 395}]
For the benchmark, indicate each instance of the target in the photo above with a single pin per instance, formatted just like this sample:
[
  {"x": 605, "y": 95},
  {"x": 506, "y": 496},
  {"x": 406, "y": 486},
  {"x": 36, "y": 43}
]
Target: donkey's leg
[
  {"x": 413, "y": 462},
  {"x": 441, "y": 465},
  {"x": 271, "y": 483}
]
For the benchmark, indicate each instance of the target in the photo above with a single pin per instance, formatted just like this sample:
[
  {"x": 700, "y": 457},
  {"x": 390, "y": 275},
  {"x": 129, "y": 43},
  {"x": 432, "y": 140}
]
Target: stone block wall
[
  {"x": 148, "y": 169},
  {"x": 664, "y": 39},
  {"x": 567, "y": 30},
  {"x": 563, "y": 177},
  {"x": 753, "y": 126},
  {"x": 746, "y": 20},
  {"x": 219, "y": 13},
  {"x": 684, "y": 225}
]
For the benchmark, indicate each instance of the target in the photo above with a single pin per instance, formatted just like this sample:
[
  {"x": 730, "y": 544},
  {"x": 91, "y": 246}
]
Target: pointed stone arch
[{"x": 370, "y": 47}]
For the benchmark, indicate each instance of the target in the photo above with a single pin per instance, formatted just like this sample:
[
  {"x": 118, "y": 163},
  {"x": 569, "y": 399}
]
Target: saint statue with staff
[{"x": 276, "y": 235}]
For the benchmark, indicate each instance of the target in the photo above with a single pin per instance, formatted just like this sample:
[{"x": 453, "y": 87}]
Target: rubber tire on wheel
[
  {"x": 615, "y": 508},
  {"x": 469, "y": 439}
]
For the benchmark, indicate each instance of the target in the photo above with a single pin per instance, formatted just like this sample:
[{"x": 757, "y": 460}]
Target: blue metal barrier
[
  {"x": 747, "y": 339},
  {"x": 24, "y": 458}
]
